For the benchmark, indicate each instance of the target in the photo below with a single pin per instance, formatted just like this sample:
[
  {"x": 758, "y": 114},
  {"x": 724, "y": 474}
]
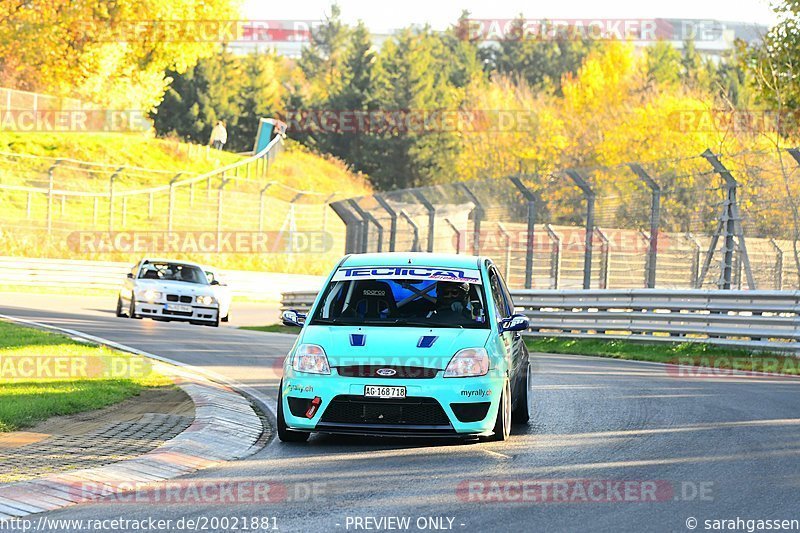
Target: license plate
[
  {"x": 381, "y": 391},
  {"x": 179, "y": 308}
]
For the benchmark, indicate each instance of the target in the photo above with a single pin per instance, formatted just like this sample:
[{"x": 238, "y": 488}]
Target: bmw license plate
[
  {"x": 179, "y": 308},
  {"x": 381, "y": 391}
]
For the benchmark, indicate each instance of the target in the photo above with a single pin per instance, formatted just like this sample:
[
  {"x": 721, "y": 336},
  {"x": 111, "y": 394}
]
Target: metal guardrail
[
  {"x": 106, "y": 275},
  {"x": 761, "y": 320}
]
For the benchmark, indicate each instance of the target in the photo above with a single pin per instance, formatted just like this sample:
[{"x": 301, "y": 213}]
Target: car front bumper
[
  {"x": 437, "y": 406},
  {"x": 161, "y": 310}
]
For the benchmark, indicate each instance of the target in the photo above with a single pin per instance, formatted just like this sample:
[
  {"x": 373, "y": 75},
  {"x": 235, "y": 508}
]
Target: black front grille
[
  {"x": 348, "y": 409},
  {"x": 470, "y": 412},
  {"x": 172, "y": 297},
  {"x": 176, "y": 298},
  {"x": 401, "y": 372}
]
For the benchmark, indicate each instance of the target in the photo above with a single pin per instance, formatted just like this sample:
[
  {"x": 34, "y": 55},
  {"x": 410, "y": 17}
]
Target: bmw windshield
[{"x": 397, "y": 296}]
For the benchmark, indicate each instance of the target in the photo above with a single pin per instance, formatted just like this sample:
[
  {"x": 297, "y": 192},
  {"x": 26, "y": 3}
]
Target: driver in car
[{"x": 452, "y": 301}]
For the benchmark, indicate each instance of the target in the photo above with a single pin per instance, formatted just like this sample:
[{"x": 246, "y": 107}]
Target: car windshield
[
  {"x": 421, "y": 302},
  {"x": 173, "y": 272}
]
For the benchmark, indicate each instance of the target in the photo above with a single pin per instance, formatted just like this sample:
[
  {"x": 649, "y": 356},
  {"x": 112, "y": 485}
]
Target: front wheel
[
  {"x": 132, "y": 309},
  {"x": 284, "y": 433},
  {"x": 120, "y": 313},
  {"x": 502, "y": 424}
]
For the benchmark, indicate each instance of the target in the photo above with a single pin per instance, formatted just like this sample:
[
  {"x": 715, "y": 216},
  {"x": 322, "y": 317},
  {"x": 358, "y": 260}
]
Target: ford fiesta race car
[
  {"x": 168, "y": 290},
  {"x": 407, "y": 344}
]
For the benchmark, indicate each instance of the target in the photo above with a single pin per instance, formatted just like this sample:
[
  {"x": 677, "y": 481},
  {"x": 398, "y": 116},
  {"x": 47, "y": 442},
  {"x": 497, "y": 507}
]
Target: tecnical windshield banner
[{"x": 408, "y": 272}]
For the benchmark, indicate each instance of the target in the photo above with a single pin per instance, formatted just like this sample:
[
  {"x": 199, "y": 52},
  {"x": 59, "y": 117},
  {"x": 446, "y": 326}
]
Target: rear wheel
[
  {"x": 284, "y": 433},
  {"x": 521, "y": 414},
  {"x": 120, "y": 313},
  {"x": 502, "y": 424}
]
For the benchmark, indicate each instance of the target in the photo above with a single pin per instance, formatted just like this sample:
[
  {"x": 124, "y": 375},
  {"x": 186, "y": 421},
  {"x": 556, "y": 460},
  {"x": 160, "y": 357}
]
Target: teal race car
[{"x": 407, "y": 344}]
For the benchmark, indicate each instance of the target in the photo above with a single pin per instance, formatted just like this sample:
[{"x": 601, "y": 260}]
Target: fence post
[
  {"x": 393, "y": 220},
  {"x": 655, "y": 222},
  {"x": 325, "y": 212},
  {"x": 730, "y": 225},
  {"x": 457, "y": 234},
  {"x": 220, "y": 193},
  {"x": 171, "y": 204},
  {"x": 605, "y": 261},
  {"x": 261, "y": 207},
  {"x": 28, "y": 201},
  {"x": 111, "y": 181},
  {"x": 415, "y": 245},
  {"x": 477, "y": 215},
  {"x": 431, "y": 216},
  {"x": 555, "y": 256},
  {"x": 778, "y": 265},
  {"x": 531, "y": 199},
  {"x": 589, "y": 195},
  {"x": 352, "y": 226},
  {"x": 124, "y": 210},
  {"x": 367, "y": 218},
  {"x": 50, "y": 195}
]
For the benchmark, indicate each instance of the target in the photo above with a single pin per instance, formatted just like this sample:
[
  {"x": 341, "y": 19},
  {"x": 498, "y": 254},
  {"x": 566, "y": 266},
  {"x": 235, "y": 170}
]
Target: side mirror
[
  {"x": 293, "y": 318},
  {"x": 130, "y": 275},
  {"x": 215, "y": 282},
  {"x": 517, "y": 322}
]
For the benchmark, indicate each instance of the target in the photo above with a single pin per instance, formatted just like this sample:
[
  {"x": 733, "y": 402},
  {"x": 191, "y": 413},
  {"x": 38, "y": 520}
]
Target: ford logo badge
[{"x": 386, "y": 372}]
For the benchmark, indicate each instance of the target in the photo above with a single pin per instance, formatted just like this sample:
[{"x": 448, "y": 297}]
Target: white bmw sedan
[{"x": 168, "y": 290}]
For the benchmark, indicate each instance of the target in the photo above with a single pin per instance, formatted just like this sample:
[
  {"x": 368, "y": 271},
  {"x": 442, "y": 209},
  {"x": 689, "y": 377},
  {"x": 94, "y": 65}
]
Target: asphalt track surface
[{"x": 715, "y": 447}]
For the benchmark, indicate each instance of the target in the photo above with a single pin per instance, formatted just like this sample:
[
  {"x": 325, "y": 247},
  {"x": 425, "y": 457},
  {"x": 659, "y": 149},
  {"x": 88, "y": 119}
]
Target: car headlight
[
  {"x": 151, "y": 296},
  {"x": 206, "y": 300},
  {"x": 468, "y": 362},
  {"x": 311, "y": 359}
]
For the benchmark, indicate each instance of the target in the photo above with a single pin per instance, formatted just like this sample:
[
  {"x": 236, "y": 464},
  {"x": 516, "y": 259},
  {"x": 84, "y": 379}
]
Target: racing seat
[
  {"x": 150, "y": 274},
  {"x": 374, "y": 299}
]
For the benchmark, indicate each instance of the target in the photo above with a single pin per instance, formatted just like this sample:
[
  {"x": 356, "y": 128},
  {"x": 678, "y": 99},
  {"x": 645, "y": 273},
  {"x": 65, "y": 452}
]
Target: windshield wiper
[{"x": 333, "y": 321}]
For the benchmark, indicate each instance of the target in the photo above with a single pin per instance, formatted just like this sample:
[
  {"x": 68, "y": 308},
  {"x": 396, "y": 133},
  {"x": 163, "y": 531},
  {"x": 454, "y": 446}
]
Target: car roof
[
  {"x": 412, "y": 258},
  {"x": 178, "y": 261}
]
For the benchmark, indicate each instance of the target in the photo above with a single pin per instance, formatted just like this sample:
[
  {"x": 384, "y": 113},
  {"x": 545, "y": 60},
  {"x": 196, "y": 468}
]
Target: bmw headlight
[
  {"x": 206, "y": 300},
  {"x": 468, "y": 363},
  {"x": 151, "y": 296},
  {"x": 311, "y": 359}
]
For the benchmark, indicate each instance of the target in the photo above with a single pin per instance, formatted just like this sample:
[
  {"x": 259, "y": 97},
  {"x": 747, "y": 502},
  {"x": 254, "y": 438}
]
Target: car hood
[
  {"x": 419, "y": 347},
  {"x": 174, "y": 287}
]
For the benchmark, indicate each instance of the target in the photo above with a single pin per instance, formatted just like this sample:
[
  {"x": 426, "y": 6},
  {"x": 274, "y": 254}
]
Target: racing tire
[
  {"x": 227, "y": 317},
  {"x": 132, "y": 309},
  {"x": 521, "y": 412},
  {"x": 502, "y": 424},
  {"x": 284, "y": 433},
  {"x": 120, "y": 312}
]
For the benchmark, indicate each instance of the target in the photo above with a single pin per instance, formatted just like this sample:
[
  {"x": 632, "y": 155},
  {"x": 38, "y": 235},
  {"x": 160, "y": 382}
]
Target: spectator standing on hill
[{"x": 219, "y": 135}]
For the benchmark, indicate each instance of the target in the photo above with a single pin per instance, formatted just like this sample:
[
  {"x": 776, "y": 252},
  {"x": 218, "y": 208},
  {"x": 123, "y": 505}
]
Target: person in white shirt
[{"x": 219, "y": 135}]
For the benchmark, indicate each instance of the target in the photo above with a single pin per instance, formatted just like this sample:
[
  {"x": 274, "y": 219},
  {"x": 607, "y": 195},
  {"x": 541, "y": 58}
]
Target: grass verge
[
  {"x": 44, "y": 374},
  {"x": 685, "y": 353}
]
